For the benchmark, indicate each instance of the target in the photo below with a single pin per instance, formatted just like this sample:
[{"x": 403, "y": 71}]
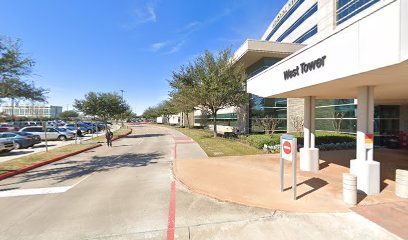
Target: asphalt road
[{"x": 125, "y": 192}]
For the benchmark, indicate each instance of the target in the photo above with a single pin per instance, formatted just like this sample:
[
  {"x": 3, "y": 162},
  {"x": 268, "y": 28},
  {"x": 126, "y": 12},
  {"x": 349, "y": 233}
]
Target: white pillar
[
  {"x": 307, "y": 123},
  {"x": 364, "y": 167},
  {"x": 312, "y": 122},
  {"x": 309, "y": 155}
]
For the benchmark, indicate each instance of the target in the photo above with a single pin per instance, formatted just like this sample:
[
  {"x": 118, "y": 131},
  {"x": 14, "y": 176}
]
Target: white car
[{"x": 52, "y": 133}]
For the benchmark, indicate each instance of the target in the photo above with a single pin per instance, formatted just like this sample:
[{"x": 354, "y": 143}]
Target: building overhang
[
  {"x": 372, "y": 51},
  {"x": 254, "y": 50}
]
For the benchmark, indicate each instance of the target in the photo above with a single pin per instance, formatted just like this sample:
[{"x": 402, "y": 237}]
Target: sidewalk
[{"x": 254, "y": 181}]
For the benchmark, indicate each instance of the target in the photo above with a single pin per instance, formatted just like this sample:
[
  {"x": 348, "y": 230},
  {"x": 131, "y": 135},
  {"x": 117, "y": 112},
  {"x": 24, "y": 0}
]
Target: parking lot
[{"x": 51, "y": 145}]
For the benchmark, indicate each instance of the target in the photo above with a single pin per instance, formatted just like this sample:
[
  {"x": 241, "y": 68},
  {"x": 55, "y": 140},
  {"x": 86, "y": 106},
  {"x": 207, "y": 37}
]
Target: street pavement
[{"x": 125, "y": 192}]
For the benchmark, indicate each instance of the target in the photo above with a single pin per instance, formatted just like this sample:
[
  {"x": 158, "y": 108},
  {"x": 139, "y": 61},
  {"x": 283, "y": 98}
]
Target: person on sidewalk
[
  {"x": 79, "y": 135},
  {"x": 109, "y": 136}
]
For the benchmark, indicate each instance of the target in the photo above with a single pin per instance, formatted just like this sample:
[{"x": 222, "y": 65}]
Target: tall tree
[
  {"x": 67, "y": 115},
  {"x": 14, "y": 66},
  {"x": 103, "y": 105},
  {"x": 182, "y": 93},
  {"x": 217, "y": 82}
]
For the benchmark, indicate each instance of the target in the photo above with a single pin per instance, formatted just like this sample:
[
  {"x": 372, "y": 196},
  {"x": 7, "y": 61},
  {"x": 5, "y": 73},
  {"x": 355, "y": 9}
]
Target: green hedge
[{"x": 258, "y": 140}]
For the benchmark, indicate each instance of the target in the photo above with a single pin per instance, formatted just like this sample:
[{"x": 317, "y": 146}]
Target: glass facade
[
  {"x": 284, "y": 18},
  {"x": 341, "y": 115},
  {"x": 345, "y": 9},
  {"x": 307, "y": 35},
  {"x": 303, "y": 18},
  {"x": 261, "y": 108},
  {"x": 225, "y": 119}
]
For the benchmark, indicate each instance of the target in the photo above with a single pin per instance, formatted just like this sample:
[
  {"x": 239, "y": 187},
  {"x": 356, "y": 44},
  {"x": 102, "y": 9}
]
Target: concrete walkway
[
  {"x": 255, "y": 181},
  {"x": 125, "y": 192}
]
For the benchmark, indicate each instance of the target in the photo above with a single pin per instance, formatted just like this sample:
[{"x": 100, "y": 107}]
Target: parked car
[
  {"x": 36, "y": 138},
  {"x": 6, "y": 145},
  {"x": 19, "y": 140},
  {"x": 8, "y": 128},
  {"x": 52, "y": 133},
  {"x": 83, "y": 127},
  {"x": 65, "y": 129}
]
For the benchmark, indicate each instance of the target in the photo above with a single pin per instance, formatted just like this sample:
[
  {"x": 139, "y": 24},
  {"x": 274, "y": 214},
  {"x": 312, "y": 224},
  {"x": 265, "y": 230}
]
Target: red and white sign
[
  {"x": 369, "y": 141},
  {"x": 288, "y": 149}
]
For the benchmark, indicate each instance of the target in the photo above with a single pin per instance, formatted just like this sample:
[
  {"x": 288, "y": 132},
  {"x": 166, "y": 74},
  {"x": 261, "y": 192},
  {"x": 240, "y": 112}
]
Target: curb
[
  {"x": 25, "y": 169},
  {"x": 124, "y": 135}
]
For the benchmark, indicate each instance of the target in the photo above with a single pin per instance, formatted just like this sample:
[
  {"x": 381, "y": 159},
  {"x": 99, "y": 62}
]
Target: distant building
[{"x": 33, "y": 111}]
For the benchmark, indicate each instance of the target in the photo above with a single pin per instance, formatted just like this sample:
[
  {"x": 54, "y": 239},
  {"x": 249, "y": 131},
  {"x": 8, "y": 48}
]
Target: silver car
[
  {"x": 6, "y": 145},
  {"x": 52, "y": 133}
]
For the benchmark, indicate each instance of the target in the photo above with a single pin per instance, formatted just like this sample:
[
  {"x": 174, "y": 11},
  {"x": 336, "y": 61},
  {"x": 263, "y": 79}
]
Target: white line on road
[{"x": 33, "y": 191}]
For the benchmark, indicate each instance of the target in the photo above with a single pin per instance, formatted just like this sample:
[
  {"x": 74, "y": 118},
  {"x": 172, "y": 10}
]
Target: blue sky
[{"x": 109, "y": 45}]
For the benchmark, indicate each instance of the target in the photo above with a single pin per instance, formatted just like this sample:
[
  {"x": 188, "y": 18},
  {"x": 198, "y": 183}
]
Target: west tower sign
[{"x": 304, "y": 68}]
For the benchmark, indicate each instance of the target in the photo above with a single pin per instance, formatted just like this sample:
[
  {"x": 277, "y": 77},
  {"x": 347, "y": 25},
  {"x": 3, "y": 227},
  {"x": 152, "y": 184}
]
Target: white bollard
[
  {"x": 401, "y": 183},
  {"x": 350, "y": 188}
]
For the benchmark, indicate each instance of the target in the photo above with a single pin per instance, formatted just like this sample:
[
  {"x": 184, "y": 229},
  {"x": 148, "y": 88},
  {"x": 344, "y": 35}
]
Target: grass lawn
[
  {"x": 29, "y": 160},
  {"x": 217, "y": 147}
]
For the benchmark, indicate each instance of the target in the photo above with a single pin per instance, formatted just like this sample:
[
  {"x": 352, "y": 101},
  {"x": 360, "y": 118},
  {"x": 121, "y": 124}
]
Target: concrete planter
[
  {"x": 350, "y": 188},
  {"x": 401, "y": 183}
]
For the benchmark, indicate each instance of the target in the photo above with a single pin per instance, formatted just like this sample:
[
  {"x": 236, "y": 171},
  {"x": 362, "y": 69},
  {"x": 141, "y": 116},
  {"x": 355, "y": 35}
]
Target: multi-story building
[
  {"x": 33, "y": 111},
  {"x": 348, "y": 73},
  {"x": 298, "y": 24}
]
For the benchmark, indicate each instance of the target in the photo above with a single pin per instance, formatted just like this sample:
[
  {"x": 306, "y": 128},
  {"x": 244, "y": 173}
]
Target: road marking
[
  {"x": 82, "y": 179},
  {"x": 33, "y": 191},
  {"x": 172, "y": 212}
]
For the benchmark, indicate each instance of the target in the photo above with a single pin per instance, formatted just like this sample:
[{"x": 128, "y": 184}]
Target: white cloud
[
  {"x": 159, "y": 45},
  {"x": 145, "y": 15},
  {"x": 176, "y": 47}
]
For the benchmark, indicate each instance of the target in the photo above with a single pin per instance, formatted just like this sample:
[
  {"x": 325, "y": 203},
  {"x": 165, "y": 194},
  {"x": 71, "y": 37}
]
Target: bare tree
[
  {"x": 338, "y": 119},
  {"x": 297, "y": 123},
  {"x": 269, "y": 124}
]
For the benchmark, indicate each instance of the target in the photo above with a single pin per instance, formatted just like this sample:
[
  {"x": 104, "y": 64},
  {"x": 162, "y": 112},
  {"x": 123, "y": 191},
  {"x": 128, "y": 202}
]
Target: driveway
[{"x": 128, "y": 192}]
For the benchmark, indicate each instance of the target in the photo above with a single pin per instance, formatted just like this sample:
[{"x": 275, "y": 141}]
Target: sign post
[
  {"x": 288, "y": 152},
  {"x": 44, "y": 125}
]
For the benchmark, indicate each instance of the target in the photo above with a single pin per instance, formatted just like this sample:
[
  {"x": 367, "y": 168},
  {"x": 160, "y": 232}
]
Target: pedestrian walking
[
  {"x": 79, "y": 135},
  {"x": 109, "y": 136}
]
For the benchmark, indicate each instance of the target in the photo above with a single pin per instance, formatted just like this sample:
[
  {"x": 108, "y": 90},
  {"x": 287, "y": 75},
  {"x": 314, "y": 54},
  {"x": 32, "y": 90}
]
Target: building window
[
  {"x": 303, "y": 18},
  {"x": 284, "y": 18},
  {"x": 345, "y": 9},
  {"x": 261, "y": 108},
  {"x": 307, "y": 35}
]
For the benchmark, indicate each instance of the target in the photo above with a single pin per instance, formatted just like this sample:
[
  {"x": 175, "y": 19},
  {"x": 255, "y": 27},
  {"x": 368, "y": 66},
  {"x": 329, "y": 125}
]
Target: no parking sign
[{"x": 288, "y": 152}]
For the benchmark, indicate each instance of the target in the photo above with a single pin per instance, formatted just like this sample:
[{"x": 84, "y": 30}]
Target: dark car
[
  {"x": 36, "y": 138},
  {"x": 19, "y": 140}
]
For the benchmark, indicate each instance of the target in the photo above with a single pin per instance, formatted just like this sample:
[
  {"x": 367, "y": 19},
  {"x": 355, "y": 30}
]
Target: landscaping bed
[{"x": 217, "y": 147}]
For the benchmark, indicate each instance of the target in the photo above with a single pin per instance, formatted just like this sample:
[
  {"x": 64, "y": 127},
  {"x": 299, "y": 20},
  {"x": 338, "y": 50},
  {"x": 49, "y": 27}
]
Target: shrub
[
  {"x": 258, "y": 140},
  {"x": 322, "y": 138}
]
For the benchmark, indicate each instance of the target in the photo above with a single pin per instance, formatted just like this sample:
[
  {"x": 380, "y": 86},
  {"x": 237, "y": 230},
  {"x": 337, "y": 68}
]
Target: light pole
[{"x": 121, "y": 115}]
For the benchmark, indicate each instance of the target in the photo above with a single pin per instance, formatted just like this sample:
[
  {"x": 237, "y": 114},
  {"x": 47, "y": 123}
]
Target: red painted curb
[
  {"x": 172, "y": 213},
  {"x": 121, "y": 136},
  {"x": 25, "y": 169}
]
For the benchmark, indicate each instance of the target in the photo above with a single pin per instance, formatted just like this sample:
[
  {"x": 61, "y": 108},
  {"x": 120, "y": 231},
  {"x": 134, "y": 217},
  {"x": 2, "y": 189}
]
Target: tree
[
  {"x": 269, "y": 124},
  {"x": 213, "y": 82},
  {"x": 297, "y": 123},
  {"x": 67, "y": 115},
  {"x": 103, "y": 105},
  {"x": 182, "y": 94},
  {"x": 337, "y": 120},
  {"x": 150, "y": 113},
  {"x": 165, "y": 109},
  {"x": 13, "y": 67}
]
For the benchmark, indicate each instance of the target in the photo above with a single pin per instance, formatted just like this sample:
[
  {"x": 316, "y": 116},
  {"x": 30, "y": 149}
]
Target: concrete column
[
  {"x": 307, "y": 123},
  {"x": 312, "y": 122},
  {"x": 309, "y": 155},
  {"x": 364, "y": 167}
]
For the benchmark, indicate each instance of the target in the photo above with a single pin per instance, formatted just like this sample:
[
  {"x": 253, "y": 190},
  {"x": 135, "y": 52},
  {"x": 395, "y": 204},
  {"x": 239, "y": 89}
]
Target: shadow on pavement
[
  {"x": 146, "y": 135},
  {"x": 77, "y": 168},
  {"x": 12, "y": 153}
]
